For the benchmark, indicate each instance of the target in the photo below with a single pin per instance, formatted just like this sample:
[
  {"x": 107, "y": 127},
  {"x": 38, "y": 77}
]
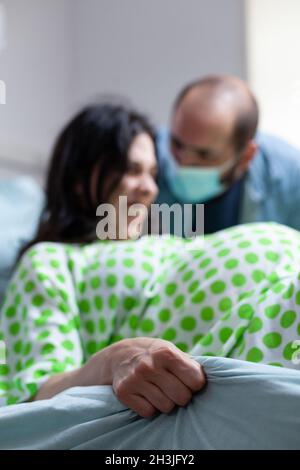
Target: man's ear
[{"x": 247, "y": 155}]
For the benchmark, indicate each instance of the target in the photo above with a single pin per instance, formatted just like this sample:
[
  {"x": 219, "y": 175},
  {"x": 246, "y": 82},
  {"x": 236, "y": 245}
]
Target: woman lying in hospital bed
[{"x": 81, "y": 311}]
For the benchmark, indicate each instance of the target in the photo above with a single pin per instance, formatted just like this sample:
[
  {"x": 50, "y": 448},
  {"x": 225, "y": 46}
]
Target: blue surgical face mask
[{"x": 193, "y": 184}]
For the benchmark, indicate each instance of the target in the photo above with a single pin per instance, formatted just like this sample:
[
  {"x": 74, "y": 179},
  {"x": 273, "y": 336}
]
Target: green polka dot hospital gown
[{"x": 235, "y": 293}]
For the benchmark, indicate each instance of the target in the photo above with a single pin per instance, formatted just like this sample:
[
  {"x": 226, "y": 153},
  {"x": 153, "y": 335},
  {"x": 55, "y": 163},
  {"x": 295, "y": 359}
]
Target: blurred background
[{"x": 56, "y": 55}]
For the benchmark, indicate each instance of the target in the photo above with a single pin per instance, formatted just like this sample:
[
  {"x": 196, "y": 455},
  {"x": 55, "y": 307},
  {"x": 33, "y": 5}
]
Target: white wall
[
  {"x": 148, "y": 50},
  {"x": 62, "y": 53},
  {"x": 36, "y": 66},
  {"x": 273, "y": 39}
]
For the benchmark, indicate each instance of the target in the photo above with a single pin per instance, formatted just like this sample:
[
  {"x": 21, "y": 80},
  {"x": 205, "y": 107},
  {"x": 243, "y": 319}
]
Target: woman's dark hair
[{"x": 98, "y": 137}]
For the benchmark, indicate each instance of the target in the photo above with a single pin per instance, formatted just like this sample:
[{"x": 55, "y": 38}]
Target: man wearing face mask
[{"x": 211, "y": 154}]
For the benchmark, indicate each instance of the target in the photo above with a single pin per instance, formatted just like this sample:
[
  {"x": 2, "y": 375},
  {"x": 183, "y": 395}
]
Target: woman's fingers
[
  {"x": 140, "y": 405},
  {"x": 174, "y": 389},
  {"x": 158, "y": 399},
  {"x": 179, "y": 364}
]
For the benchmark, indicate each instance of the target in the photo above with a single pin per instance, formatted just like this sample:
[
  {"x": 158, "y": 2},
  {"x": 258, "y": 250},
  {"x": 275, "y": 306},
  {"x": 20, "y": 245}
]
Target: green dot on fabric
[
  {"x": 198, "y": 297},
  {"x": 207, "y": 339},
  {"x": 133, "y": 322},
  {"x": 245, "y": 311},
  {"x": 187, "y": 276},
  {"x": 272, "y": 311},
  {"x": 47, "y": 348},
  {"x": 32, "y": 388},
  {"x": 58, "y": 367},
  {"x": 245, "y": 295},
  {"x": 277, "y": 288},
  {"x": 51, "y": 292},
  {"x": 238, "y": 280},
  {"x": 64, "y": 295},
  {"x": 18, "y": 346},
  {"x": 148, "y": 252},
  {"x": 218, "y": 287},
  {"x": 225, "y": 304},
  {"x": 155, "y": 300},
  {"x": 254, "y": 355},
  {"x": 38, "y": 300},
  {"x": 188, "y": 323},
  {"x": 129, "y": 303},
  {"x": 244, "y": 244},
  {"x": 193, "y": 286},
  {"x": 60, "y": 278},
  {"x": 111, "y": 263},
  {"x": 55, "y": 263},
  {"x": 225, "y": 334},
  {"x": 15, "y": 328},
  {"x": 147, "y": 325},
  {"x": 255, "y": 325},
  {"x": 102, "y": 325},
  {"x": 231, "y": 263},
  {"x": 68, "y": 327},
  {"x": 29, "y": 286},
  {"x": 23, "y": 274},
  {"x": 289, "y": 351},
  {"x": 251, "y": 258},
  {"x": 179, "y": 301},
  {"x": 223, "y": 252},
  {"x": 182, "y": 346},
  {"x": 98, "y": 301},
  {"x": 207, "y": 314},
  {"x": 129, "y": 281},
  {"x": 10, "y": 311},
  {"x": 164, "y": 315},
  {"x": 264, "y": 241},
  {"x": 272, "y": 256},
  {"x": 39, "y": 373},
  {"x": 197, "y": 338},
  {"x": 95, "y": 283},
  {"x": 43, "y": 277},
  {"x": 288, "y": 294},
  {"x": 111, "y": 280},
  {"x": 113, "y": 301},
  {"x": 258, "y": 276},
  {"x": 71, "y": 265},
  {"x": 205, "y": 263},
  {"x": 288, "y": 318},
  {"x": 68, "y": 345},
  {"x": 273, "y": 277},
  {"x": 51, "y": 249},
  {"x": 84, "y": 306},
  {"x": 91, "y": 347},
  {"x": 39, "y": 322},
  {"x": 4, "y": 370},
  {"x": 81, "y": 286},
  {"x": 90, "y": 327},
  {"x": 297, "y": 298},
  {"x": 169, "y": 334},
  {"x": 147, "y": 267},
  {"x": 170, "y": 288},
  {"x": 272, "y": 340},
  {"x": 211, "y": 273},
  {"x": 45, "y": 334},
  {"x": 128, "y": 262}
]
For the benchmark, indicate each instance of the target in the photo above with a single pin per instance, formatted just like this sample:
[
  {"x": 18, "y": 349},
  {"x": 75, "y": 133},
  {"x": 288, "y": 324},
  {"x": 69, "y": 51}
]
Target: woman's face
[{"x": 138, "y": 185}]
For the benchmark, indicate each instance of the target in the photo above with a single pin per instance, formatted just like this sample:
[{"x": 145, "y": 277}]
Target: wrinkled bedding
[{"x": 244, "y": 406}]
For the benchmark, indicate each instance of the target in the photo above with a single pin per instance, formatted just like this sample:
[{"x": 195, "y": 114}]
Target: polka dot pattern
[{"x": 236, "y": 294}]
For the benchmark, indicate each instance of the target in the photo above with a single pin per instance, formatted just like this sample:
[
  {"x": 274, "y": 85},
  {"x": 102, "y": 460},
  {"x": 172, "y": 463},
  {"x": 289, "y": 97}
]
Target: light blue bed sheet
[{"x": 244, "y": 406}]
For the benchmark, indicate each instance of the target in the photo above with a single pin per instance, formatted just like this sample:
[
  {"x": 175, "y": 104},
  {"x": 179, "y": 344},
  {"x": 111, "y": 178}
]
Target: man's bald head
[{"x": 223, "y": 100}]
